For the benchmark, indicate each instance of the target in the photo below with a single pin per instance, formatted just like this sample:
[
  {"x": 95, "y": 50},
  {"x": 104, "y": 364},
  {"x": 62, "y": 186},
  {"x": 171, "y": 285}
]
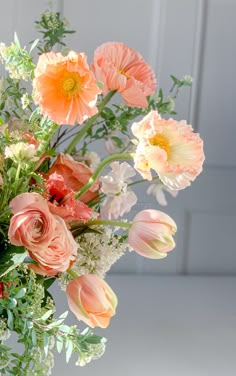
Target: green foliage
[
  {"x": 53, "y": 30},
  {"x": 27, "y": 310}
]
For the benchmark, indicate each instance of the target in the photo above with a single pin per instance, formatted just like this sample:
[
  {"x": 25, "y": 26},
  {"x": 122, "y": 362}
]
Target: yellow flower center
[
  {"x": 121, "y": 71},
  {"x": 70, "y": 84},
  {"x": 161, "y": 142}
]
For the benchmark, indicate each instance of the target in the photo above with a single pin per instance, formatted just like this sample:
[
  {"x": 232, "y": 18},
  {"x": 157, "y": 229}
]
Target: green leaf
[
  {"x": 59, "y": 344},
  {"x": 46, "y": 315},
  {"x": 16, "y": 40},
  {"x": 10, "y": 258},
  {"x": 10, "y": 319},
  {"x": 69, "y": 349},
  {"x": 20, "y": 293},
  {"x": 34, "y": 44},
  {"x": 95, "y": 339}
]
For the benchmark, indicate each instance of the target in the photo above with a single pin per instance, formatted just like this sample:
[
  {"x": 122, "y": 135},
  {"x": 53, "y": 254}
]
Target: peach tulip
[
  {"x": 91, "y": 300},
  {"x": 151, "y": 232}
]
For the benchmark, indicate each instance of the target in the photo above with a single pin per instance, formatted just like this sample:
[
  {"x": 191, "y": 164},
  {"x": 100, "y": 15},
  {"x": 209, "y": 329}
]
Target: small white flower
[
  {"x": 117, "y": 206},
  {"x": 116, "y": 181},
  {"x": 21, "y": 152},
  {"x": 157, "y": 190}
]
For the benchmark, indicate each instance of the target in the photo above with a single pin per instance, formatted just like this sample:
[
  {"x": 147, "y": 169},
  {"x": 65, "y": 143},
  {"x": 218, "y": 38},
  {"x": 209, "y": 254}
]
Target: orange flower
[
  {"x": 65, "y": 88},
  {"x": 121, "y": 68}
]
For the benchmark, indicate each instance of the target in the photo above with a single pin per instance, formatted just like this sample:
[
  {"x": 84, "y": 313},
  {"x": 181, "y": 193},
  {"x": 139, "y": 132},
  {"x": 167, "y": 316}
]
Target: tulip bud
[
  {"x": 151, "y": 232},
  {"x": 91, "y": 300}
]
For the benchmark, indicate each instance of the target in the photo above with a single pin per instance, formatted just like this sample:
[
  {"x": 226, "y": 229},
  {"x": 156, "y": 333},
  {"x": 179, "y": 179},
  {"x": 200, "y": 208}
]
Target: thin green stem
[
  {"x": 72, "y": 273},
  {"x": 95, "y": 222},
  {"x": 89, "y": 123},
  {"x": 99, "y": 170}
]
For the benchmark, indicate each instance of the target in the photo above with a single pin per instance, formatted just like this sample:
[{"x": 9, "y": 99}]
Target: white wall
[{"x": 177, "y": 37}]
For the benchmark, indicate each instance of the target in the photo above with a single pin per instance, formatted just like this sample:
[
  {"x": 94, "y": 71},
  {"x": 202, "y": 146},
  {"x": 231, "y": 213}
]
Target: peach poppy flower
[
  {"x": 121, "y": 68},
  {"x": 169, "y": 147},
  {"x": 65, "y": 88}
]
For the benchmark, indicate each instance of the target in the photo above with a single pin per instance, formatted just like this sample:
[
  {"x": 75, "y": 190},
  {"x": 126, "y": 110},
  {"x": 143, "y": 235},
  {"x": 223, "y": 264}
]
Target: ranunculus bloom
[
  {"x": 59, "y": 255},
  {"x": 32, "y": 224},
  {"x": 61, "y": 200},
  {"x": 169, "y": 147},
  {"x": 151, "y": 232},
  {"x": 65, "y": 88},
  {"x": 121, "y": 68},
  {"x": 91, "y": 300},
  {"x": 75, "y": 175}
]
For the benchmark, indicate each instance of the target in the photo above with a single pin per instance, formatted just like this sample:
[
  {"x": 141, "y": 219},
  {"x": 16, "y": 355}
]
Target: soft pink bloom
[
  {"x": 157, "y": 190},
  {"x": 115, "y": 206},
  {"x": 59, "y": 255},
  {"x": 75, "y": 175},
  {"x": 61, "y": 200},
  {"x": 121, "y": 68},
  {"x": 65, "y": 88},
  {"x": 91, "y": 300},
  {"x": 151, "y": 232},
  {"x": 169, "y": 147},
  {"x": 32, "y": 224},
  {"x": 119, "y": 200}
]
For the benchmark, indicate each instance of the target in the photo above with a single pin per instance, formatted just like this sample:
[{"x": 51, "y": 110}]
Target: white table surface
[{"x": 166, "y": 326}]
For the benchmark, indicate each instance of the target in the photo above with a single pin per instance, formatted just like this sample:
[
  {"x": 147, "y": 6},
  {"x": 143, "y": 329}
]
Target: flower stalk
[
  {"x": 98, "y": 171},
  {"x": 70, "y": 148}
]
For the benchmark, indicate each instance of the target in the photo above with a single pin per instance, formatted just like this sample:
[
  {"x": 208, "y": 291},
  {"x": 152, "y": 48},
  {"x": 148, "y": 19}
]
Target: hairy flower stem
[
  {"x": 96, "y": 222},
  {"x": 70, "y": 148},
  {"x": 98, "y": 171},
  {"x": 45, "y": 142}
]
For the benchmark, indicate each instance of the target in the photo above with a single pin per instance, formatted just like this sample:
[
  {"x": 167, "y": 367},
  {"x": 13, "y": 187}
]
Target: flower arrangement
[{"x": 62, "y": 206}]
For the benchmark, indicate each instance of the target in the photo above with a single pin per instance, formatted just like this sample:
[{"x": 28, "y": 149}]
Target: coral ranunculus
[
  {"x": 151, "y": 232},
  {"x": 169, "y": 147},
  {"x": 92, "y": 300},
  {"x": 121, "y": 68},
  {"x": 32, "y": 224},
  {"x": 65, "y": 88}
]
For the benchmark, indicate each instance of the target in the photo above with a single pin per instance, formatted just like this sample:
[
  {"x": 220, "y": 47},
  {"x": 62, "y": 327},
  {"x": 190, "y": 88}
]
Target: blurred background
[{"x": 179, "y": 37}]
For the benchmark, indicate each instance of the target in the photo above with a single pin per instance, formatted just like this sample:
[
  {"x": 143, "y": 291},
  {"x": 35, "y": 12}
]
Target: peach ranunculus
[
  {"x": 121, "y": 68},
  {"x": 65, "y": 88},
  {"x": 75, "y": 175},
  {"x": 91, "y": 300},
  {"x": 32, "y": 224},
  {"x": 59, "y": 255},
  {"x": 151, "y": 232},
  {"x": 169, "y": 147}
]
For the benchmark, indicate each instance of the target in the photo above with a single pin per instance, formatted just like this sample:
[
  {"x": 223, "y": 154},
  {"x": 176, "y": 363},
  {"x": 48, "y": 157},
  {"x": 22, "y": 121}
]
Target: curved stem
[
  {"x": 95, "y": 222},
  {"x": 88, "y": 124},
  {"x": 72, "y": 273},
  {"x": 98, "y": 171}
]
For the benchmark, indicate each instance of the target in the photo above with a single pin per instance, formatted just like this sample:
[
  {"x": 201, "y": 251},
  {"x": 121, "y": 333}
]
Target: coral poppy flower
[
  {"x": 121, "y": 68},
  {"x": 65, "y": 88},
  {"x": 169, "y": 147}
]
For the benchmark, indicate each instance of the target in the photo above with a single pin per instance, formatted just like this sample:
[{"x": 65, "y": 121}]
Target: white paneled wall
[{"x": 177, "y": 37}]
